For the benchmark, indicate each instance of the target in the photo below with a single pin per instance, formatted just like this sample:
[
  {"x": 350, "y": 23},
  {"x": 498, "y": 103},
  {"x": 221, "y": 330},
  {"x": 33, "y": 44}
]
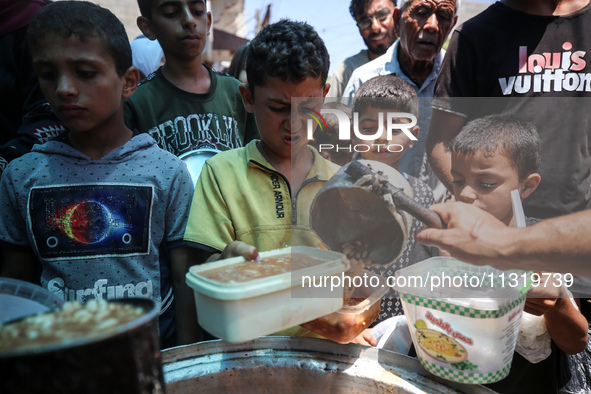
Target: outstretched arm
[
  {"x": 567, "y": 326},
  {"x": 565, "y": 323},
  {"x": 560, "y": 244}
]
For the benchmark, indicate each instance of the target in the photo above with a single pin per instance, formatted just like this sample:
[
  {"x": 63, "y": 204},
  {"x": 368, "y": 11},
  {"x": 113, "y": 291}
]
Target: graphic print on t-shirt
[
  {"x": 197, "y": 131},
  {"x": 549, "y": 72},
  {"x": 81, "y": 221}
]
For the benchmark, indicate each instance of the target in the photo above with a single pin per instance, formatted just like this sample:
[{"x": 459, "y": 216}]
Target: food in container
[
  {"x": 124, "y": 357},
  {"x": 238, "y": 300},
  {"x": 73, "y": 321},
  {"x": 364, "y": 224},
  {"x": 359, "y": 312},
  {"x": 268, "y": 266},
  {"x": 463, "y": 319}
]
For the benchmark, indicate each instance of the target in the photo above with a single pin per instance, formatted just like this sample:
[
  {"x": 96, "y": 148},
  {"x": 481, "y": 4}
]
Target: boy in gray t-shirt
[{"x": 99, "y": 213}]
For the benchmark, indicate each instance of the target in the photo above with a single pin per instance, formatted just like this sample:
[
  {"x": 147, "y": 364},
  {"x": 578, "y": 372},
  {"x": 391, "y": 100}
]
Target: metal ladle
[
  {"x": 360, "y": 213},
  {"x": 382, "y": 186}
]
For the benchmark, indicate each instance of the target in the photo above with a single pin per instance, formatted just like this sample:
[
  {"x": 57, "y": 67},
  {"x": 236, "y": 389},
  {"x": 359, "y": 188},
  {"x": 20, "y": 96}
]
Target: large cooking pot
[
  {"x": 126, "y": 361},
  {"x": 298, "y": 365}
]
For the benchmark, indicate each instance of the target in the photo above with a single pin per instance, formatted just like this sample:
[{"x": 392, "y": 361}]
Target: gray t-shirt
[{"x": 98, "y": 227}]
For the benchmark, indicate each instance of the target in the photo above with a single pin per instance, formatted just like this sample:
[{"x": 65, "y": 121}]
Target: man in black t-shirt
[{"x": 533, "y": 59}]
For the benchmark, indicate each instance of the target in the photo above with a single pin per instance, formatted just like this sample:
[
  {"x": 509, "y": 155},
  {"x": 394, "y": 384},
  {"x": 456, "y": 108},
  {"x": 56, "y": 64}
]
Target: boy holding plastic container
[
  {"x": 258, "y": 198},
  {"x": 491, "y": 157},
  {"x": 235, "y": 210}
]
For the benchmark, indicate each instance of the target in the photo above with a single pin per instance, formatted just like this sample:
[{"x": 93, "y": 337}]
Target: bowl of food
[
  {"x": 360, "y": 309},
  {"x": 239, "y": 300},
  {"x": 463, "y": 319},
  {"x": 99, "y": 346}
]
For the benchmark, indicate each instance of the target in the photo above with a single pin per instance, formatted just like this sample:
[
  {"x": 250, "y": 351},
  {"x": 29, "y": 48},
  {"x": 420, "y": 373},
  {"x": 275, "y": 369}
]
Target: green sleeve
[
  {"x": 252, "y": 131},
  {"x": 129, "y": 115}
]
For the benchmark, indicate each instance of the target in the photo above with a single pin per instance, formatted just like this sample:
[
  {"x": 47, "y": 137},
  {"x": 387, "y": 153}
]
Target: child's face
[
  {"x": 80, "y": 81},
  {"x": 282, "y": 136},
  {"x": 181, "y": 27},
  {"x": 486, "y": 180},
  {"x": 382, "y": 149}
]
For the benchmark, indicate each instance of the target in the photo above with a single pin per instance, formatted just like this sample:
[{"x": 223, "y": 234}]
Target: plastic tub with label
[
  {"x": 463, "y": 319},
  {"x": 237, "y": 303}
]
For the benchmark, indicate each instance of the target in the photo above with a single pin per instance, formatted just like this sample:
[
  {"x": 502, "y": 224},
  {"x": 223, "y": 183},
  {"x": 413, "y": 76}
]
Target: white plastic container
[
  {"x": 463, "y": 319},
  {"x": 242, "y": 311}
]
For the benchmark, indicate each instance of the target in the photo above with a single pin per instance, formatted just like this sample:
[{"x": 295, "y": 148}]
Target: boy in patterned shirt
[{"x": 100, "y": 212}]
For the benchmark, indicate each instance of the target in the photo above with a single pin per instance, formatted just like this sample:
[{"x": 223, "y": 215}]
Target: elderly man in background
[
  {"x": 423, "y": 26},
  {"x": 376, "y": 25}
]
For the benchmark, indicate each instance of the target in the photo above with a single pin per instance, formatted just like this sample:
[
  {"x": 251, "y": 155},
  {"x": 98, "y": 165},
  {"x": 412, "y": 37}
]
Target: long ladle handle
[
  {"x": 416, "y": 209},
  {"x": 402, "y": 201}
]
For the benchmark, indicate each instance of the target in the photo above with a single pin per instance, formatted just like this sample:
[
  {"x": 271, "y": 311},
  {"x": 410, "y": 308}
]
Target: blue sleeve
[{"x": 12, "y": 221}]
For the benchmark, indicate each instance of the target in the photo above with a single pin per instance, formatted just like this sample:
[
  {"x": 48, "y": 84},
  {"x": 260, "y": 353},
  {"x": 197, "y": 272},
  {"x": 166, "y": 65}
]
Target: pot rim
[
  {"x": 179, "y": 360},
  {"x": 150, "y": 307}
]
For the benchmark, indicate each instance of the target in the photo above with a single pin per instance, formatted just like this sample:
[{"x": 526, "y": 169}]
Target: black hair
[
  {"x": 357, "y": 7},
  {"x": 84, "y": 20},
  {"x": 145, "y": 8},
  {"x": 387, "y": 92},
  {"x": 289, "y": 50},
  {"x": 501, "y": 133},
  {"x": 332, "y": 121}
]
